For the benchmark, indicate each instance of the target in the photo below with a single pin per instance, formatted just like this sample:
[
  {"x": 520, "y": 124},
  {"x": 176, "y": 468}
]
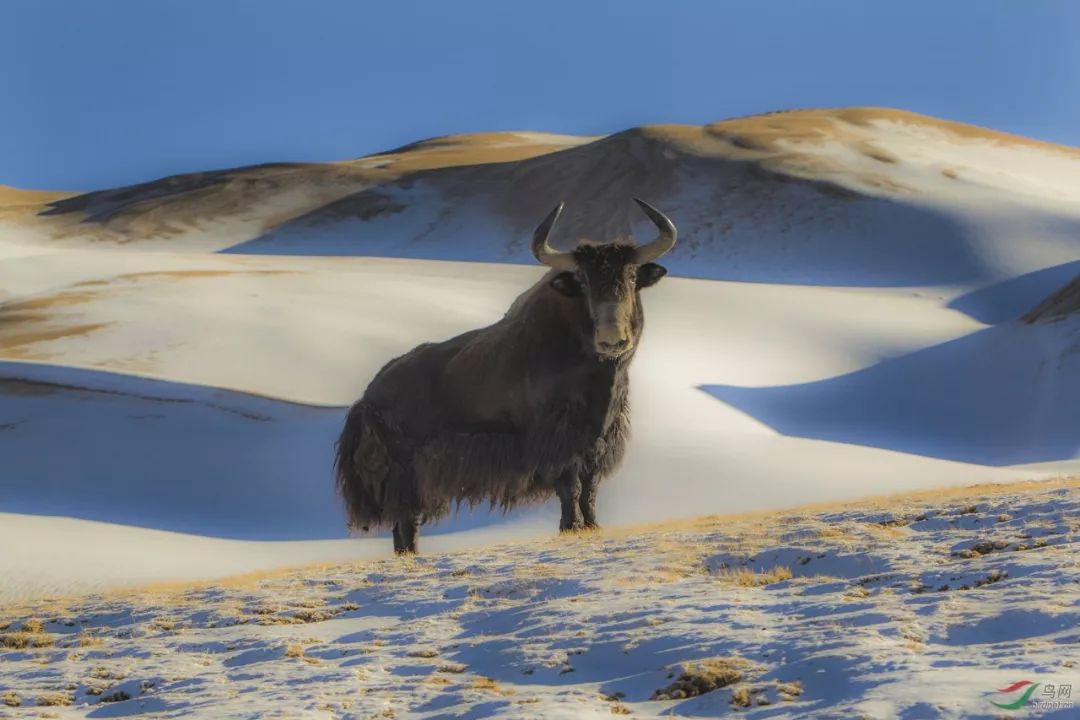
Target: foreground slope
[{"x": 916, "y": 606}]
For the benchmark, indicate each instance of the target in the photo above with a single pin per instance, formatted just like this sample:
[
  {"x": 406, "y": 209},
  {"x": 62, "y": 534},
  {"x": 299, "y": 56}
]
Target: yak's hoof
[{"x": 573, "y": 528}]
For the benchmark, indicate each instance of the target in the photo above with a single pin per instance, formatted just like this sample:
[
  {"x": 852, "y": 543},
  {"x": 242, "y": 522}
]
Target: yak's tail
[{"x": 362, "y": 467}]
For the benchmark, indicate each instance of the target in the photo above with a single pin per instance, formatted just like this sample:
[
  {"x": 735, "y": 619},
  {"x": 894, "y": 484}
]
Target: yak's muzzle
[{"x": 612, "y": 329}]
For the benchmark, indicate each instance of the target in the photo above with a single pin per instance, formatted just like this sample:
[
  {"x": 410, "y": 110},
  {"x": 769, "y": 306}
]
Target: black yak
[{"x": 533, "y": 405}]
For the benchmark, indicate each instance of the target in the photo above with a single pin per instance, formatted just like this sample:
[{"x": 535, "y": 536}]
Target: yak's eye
[
  {"x": 649, "y": 274},
  {"x": 566, "y": 284}
]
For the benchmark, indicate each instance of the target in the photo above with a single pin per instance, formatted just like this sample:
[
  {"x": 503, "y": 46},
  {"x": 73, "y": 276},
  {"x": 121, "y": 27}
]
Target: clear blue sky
[{"x": 94, "y": 94}]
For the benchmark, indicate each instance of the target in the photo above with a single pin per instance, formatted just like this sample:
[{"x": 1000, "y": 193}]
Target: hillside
[
  {"x": 176, "y": 356},
  {"x": 925, "y": 605}
]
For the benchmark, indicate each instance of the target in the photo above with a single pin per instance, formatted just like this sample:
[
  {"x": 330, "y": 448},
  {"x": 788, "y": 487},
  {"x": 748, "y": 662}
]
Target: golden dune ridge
[{"x": 639, "y": 160}]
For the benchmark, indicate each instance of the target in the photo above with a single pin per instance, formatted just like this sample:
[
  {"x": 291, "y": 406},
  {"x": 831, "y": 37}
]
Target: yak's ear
[
  {"x": 649, "y": 274},
  {"x": 567, "y": 284}
]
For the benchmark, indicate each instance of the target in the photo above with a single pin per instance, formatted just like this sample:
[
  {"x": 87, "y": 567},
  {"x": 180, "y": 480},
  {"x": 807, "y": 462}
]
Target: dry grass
[
  {"x": 788, "y": 691},
  {"x": 167, "y": 624},
  {"x": 489, "y": 685},
  {"x": 30, "y": 635},
  {"x": 885, "y": 531},
  {"x": 702, "y": 676},
  {"x": 297, "y": 651},
  {"x": 992, "y": 577},
  {"x": 452, "y": 668},
  {"x": 984, "y": 547},
  {"x": 423, "y": 653},
  {"x": 86, "y": 638},
  {"x": 833, "y": 531},
  {"x": 741, "y": 697},
  {"x": 309, "y": 615},
  {"x": 55, "y": 699},
  {"x": 22, "y": 640},
  {"x": 10, "y": 698},
  {"x": 104, "y": 673},
  {"x": 541, "y": 569},
  {"x": 745, "y": 577}
]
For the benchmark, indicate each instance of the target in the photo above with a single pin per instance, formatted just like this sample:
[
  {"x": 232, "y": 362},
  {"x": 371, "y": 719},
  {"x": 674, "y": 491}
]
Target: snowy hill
[
  {"x": 864, "y": 197},
  {"x": 177, "y": 355}
]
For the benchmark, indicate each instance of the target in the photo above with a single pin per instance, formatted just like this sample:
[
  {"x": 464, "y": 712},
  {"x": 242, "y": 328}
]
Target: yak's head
[{"x": 607, "y": 278}]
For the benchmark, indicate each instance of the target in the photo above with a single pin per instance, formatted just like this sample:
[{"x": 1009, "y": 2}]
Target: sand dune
[
  {"x": 726, "y": 179},
  {"x": 843, "y": 319},
  {"x": 17, "y": 197}
]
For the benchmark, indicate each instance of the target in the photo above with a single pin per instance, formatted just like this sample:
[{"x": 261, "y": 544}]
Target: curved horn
[
  {"x": 546, "y": 254},
  {"x": 664, "y": 242}
]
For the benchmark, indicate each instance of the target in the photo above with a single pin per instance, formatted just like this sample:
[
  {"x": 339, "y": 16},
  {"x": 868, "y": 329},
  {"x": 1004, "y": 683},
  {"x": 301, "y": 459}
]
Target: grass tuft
[
  {"x": 741, "y": 697},
  {"x": 788, "y": 691},
  {"x": 55, "y": 699},
  {"x": 31, "y": 635},
  {"x": 452, "y": 668},
  {"x": 704, "y": 676},
  {"x": 745, "y": 577},
  {"x": 489, "y": 685},
  {"x": 423, "y": 653}
]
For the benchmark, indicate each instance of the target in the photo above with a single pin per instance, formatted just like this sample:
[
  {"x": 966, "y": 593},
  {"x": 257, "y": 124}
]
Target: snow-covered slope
[
  {"x": 925, "y": 606},
  {"x": 842, "y": 320}
]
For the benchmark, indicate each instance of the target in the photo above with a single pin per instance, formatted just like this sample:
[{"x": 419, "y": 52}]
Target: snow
[
  {"x": 917, "y": 606},
  {"x": 240, "y": 395},
  {"x": 935, "y": 402},
  {"x": 835, "y": 325}
]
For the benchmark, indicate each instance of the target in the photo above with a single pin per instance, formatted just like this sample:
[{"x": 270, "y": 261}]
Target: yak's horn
[
  {"x": 664, "y": 242},
  {"x": 546, "y": 254}
]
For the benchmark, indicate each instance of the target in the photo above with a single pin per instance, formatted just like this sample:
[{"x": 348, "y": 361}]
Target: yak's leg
[
  {"x": 405, "y": 532},
  {"x": 568, "y": 488},
  {"x": 587, "y": 502}
]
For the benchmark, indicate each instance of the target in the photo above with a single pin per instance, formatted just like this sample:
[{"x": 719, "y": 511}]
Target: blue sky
[{"x": 94, "y": 94}]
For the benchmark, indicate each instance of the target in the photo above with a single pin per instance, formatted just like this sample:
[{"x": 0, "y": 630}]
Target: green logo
[{"x": 1020, "y": 699}]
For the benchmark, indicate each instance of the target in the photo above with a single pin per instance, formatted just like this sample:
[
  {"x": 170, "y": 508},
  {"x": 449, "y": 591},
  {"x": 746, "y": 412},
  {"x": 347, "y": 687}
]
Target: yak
[{"x": 533, "y": 405}]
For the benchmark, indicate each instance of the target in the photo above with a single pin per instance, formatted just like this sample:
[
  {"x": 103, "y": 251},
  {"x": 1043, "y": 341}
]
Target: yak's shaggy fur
[
  {"x": 420, "y": 439},
  {"x": 507, "y": 414}
]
